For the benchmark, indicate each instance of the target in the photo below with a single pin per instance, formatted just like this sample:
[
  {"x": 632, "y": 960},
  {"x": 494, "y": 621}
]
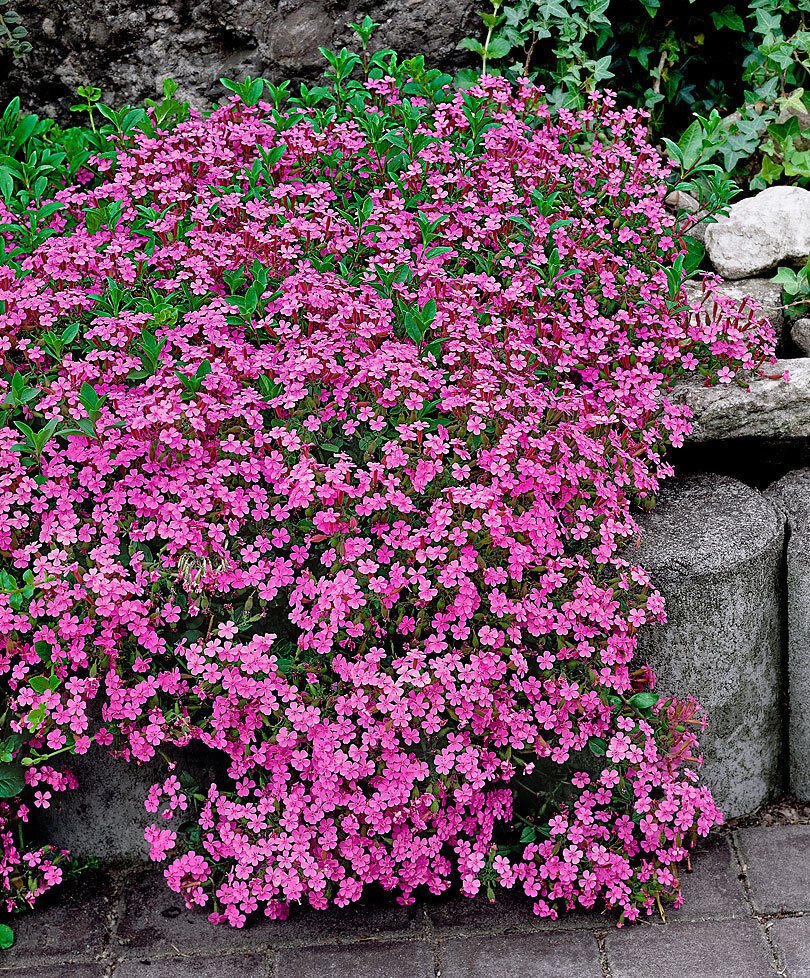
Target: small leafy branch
[{"x": 12, "y": 32}]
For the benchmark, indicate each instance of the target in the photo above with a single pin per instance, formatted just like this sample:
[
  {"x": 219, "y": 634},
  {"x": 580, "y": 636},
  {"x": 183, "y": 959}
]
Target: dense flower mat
[{"x": 322, "y": 425}]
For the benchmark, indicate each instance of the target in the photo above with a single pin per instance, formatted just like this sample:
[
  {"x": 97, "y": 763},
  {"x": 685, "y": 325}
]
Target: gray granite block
[
  {"x": 68, "y": 925},
  {"x": 791, "y": 936},
  {"x": 216, "y": 966},
  {"x": 155, "y": 919},
  {"x": 709, "y": 949},
  {"x": 714, "y": 548},
  {"x": 713, "y": 888},
  {"x": 777, "y": 861},
  {"x": 373, "y": 960},
  {"x": 570, "y": 955}
]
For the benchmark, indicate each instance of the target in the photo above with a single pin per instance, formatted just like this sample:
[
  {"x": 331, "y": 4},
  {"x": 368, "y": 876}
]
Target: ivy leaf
[{"x": 12, "y": 779}]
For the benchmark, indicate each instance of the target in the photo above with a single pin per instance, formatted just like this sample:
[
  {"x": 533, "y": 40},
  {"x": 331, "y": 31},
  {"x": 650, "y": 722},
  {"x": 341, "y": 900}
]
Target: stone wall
[{"x": 127, "y": 47}]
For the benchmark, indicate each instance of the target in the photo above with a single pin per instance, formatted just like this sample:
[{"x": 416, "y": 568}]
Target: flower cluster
[{"x": 323, "y": 426}]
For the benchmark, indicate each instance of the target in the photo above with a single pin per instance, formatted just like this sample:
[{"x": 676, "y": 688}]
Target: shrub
[{"x": 323, "y": 421}]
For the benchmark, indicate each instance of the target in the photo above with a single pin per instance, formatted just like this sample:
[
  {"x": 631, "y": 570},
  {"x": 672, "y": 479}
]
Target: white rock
[
  {"x": 767, "y": 294},
  {"x": 761, "y": 231},
  {"x": 800, "y": 334},
  {"x": 771, "y": 409}
]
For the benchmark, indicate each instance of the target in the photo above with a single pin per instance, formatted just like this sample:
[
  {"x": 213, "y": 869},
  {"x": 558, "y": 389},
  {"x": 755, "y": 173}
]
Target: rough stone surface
[
  {"x": 518, "y": 956},
  {"x": 156, "y": 920},
  {"x": 792, "y": 940},
  {"x": 792, "y": 495},
  {"x": 764, "y": 292},
  {"x": 800, "y": 334},
  {"x": 109, "y": 799},
  {"x": 770, "y": 409},
  {"x": 712, "y": 890},
  {"x": 412, "y": 960},
  {"x": 60, "y": 971},
  {"x": 777, "y": 862},
  {"x": 68, "y": 926},
  {"x": 219, "y": 966},
  {"x": 127, "y": 47},
  {"x": 761, "y": 231},
  {"x": 714, "y": 949},
  {"x": 718, "y": 935},
  {"x": 714, "y": 546},
  {"x": 512, "y": 911}
]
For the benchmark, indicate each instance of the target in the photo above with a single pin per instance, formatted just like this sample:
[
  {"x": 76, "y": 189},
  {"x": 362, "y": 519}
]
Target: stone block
[
  {"x": 401, "y": 960},
  {"x": 68, "y": 970},
  {"x": 771, "y": 410},
  {"x": 800, "y": 334},
  {"x": 714, "y": 548},
  {"x": 777, "y": 863},
  {"x": 219, "y": 966},
  {"x": 713, "y": 889},
  {"x": 512, "y": 911},
  {"x": 711, "y": 949},
  {"x": 766, "y": 293},
  {"x": 535, "y": 955},
  {"x": 67, "y": 927},
  {"x": 761, "y": 231},
  {"x": 792, "y": 494},
  {"x": 791, "y": 936},
  {"x": 155, "y": 920},
  {"x": 105, "y": 815}
]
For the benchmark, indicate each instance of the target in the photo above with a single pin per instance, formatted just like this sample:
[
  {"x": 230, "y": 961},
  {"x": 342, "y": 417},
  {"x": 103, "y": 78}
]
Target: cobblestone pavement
[{"x": 746, "y": 915}]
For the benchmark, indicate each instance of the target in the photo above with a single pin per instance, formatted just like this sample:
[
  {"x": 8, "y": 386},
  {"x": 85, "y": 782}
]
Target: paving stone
[
  {"x": 791, "y": 935},
  {"x": 511, "y": 911},
  {"x": 219, "y": 966},
  {"x": 711, "y": 949},
  {"x": 60, "y": 971},
  {"x": 155, "y": 919},
  {"x": 373, "y": 960},
  {"x": 521, "y": 956},
  {"x": 778, "y": 866},
  {"x": 713, "y": 888},
  {"x": 68, "y": 925}
]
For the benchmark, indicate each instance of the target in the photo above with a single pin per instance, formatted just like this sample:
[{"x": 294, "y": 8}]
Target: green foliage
[
  {"x": 742, "y": 68},
  {"x": 12, "y": 33}
]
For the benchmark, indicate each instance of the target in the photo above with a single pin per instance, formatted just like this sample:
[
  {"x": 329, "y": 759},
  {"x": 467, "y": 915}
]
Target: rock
[
  {"x": 127, "y": 47},
  {"x": 792, "y": 495},
  {"x": 770, "y": 409},
  {"x": 800, "y": 334},
  {"x": 105, "y": 816},
  {"x": 714, "y": 547},
  {"x": 679, "y": 200},
  {"x": 761, "y": 231},
  {"x": 766, "y": 294}
]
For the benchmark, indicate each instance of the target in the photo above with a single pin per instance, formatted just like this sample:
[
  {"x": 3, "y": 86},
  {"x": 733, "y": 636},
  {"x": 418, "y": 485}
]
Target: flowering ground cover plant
[{"x": 323, "y": 419}]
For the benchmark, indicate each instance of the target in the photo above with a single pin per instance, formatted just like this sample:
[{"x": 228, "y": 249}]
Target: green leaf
[
  {"x": 498, "y": 48},
  {"x": 597, "y": 746},
  {"x": 695, "y": 252},
  {"x": 643, "y": 701},
  {"x": 39, "y": 684},
  {"x": 691, "y": 144},
  {"x": 12, "y": 779},
  {"x": 6, "y": 937}
]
